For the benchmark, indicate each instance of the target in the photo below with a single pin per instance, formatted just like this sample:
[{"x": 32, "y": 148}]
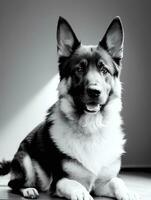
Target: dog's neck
[{"x": 90, "y": 120}]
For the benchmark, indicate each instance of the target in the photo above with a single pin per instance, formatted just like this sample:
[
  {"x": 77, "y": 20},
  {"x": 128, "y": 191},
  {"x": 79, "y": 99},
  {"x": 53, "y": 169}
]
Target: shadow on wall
[
  {"x": 25, "y": 51},
  {"x": 22, "y": 122},
  {"x": 28, "y": 62},
  {"x": 17, "y": 96}
]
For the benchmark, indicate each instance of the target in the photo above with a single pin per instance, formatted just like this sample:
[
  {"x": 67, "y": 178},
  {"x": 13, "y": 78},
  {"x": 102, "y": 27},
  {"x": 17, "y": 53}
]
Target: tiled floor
[{"x": 136, "y": 181}]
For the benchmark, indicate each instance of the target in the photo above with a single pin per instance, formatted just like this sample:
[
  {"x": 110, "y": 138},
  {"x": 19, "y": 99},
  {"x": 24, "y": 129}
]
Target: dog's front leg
[
  {"x": 115, "y": 188},
  {"x": 72, "y": 189}
]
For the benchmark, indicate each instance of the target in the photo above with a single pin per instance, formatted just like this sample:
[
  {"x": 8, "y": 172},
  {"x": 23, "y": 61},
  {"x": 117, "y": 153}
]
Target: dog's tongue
[{"x": 93, "y": 107}]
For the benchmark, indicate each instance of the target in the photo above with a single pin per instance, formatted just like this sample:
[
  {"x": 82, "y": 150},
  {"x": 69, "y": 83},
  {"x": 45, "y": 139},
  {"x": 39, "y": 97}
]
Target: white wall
[{"x": 28, "y": 65}]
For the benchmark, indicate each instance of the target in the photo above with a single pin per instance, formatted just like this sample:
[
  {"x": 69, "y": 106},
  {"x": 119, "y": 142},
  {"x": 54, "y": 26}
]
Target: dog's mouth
[{"x": 92, "y": 107}]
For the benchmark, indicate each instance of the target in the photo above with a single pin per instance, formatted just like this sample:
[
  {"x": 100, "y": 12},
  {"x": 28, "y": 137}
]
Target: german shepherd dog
[{"x": 77, "y": 149}]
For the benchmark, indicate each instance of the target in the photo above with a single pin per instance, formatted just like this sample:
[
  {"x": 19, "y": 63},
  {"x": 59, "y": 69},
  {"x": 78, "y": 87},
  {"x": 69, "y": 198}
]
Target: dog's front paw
[
  {"x": 30, "y": 193},
  {"x": 126, "y": 195},
  {"x": 121, "y": 192},
  {"x": 80, "y": 194},
  {"x": 72, "y": 190}
]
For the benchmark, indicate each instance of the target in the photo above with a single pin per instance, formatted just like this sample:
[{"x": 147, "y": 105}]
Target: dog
[{"x": 77, "y": 149}]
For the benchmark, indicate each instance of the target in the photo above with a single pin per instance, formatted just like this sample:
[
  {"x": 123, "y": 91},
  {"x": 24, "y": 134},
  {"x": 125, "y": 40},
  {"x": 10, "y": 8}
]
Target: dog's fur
[{"x": 78, "y": 148}]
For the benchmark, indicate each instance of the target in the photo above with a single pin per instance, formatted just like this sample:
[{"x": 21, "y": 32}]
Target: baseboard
[{"x": 136, "y": 168}]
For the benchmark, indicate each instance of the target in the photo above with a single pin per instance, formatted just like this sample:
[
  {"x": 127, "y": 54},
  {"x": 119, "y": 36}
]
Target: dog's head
[{"x": 88, "y": 73}]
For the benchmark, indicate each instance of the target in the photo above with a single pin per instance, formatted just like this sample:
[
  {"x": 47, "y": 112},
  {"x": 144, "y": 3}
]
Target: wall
[{"x": 28, "y": 65}]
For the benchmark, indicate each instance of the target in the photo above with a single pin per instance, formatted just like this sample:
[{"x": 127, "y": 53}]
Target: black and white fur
[{"x": 78, "y": 148}]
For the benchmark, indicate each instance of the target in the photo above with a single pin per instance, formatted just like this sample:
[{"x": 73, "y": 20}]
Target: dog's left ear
[
  {"x": 113, "y": 40},
  {"x": 67, "y": 41}
]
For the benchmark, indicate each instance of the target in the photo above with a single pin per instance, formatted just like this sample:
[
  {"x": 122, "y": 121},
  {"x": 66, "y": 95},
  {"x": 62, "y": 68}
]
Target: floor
[{"x": 136, "y": 181}]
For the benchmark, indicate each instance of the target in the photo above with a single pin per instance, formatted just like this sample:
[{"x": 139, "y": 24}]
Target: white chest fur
[{"x": 93, "y": 146}]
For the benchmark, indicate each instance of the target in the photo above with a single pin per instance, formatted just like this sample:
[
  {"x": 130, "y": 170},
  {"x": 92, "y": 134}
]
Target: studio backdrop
[{"x": 28, "y": 65}]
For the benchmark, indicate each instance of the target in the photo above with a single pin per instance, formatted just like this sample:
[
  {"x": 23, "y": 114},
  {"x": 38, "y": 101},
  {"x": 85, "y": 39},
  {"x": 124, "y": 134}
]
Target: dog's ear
[
  {"x": 113, "y": 40},
  {"x": 67, "y": 41}
]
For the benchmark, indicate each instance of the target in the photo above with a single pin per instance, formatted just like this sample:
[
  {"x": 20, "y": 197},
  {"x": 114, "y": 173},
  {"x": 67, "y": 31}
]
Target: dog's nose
[{"x": 93, "y": 92}]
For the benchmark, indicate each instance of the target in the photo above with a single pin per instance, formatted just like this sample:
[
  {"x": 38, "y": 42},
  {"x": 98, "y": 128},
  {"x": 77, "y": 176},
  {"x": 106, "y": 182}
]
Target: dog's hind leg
[{"x": 23, "y": 177}]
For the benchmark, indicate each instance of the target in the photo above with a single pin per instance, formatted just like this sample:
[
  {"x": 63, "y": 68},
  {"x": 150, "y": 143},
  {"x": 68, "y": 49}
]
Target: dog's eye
[
  {"x": 79, "y": 69},
  {"x": 82, "y": 66},
  {"x": 104, "y": 70},
  {"x": 100, "y": 65}
]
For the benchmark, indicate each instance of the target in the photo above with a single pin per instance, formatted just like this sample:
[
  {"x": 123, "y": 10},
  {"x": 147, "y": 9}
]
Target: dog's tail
[{"x": 5, "y": 167}]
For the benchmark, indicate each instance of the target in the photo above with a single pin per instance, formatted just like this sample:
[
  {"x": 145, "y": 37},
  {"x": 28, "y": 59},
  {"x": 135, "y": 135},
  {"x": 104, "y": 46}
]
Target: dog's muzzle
[{"x": 93, "y": 106}]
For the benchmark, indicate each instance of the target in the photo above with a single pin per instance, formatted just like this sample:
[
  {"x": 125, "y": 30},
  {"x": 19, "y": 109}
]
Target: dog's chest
[{"x": 93, "y": 151}]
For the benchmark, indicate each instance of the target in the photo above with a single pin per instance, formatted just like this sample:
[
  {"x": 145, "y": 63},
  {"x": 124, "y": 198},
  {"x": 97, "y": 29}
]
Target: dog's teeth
[{"x": 93, "y": 108}]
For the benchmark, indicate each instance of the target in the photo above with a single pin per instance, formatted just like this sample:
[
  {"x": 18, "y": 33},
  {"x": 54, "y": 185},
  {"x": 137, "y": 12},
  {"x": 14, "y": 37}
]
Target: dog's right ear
[{"x": 67, "y": 41}]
